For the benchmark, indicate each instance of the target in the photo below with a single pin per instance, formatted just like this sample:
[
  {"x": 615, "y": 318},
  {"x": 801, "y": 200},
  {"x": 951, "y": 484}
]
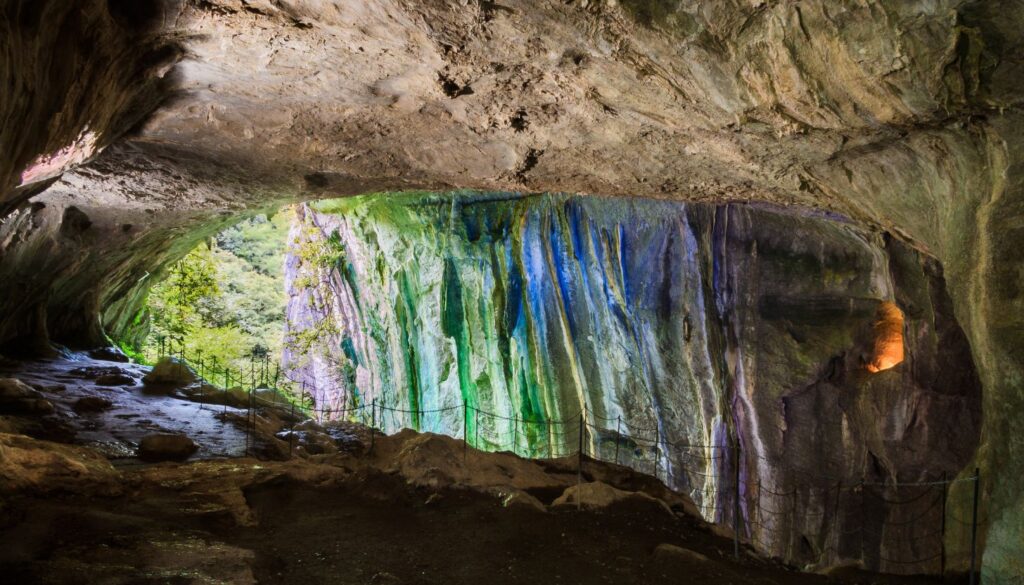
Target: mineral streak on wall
[{"x": 692, "y": 324}]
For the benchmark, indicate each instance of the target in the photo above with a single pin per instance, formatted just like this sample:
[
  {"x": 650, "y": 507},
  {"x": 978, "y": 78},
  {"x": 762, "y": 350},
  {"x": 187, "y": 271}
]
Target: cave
[{"x": 421, "y": 292}]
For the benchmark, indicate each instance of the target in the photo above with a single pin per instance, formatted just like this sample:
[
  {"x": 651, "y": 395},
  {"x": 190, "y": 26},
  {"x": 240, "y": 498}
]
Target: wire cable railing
[{"x": 768, "y": 515}]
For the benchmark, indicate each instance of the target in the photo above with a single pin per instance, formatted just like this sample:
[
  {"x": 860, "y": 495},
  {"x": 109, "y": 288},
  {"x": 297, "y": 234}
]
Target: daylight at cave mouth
[{"x": 515, "y": 291}]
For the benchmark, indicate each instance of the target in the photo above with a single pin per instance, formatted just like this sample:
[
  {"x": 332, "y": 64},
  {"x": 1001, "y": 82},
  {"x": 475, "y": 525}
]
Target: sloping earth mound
[{"x": 415, "y": 509}]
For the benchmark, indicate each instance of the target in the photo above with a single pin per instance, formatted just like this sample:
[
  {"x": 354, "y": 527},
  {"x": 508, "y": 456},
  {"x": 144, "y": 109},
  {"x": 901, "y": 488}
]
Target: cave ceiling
[{"x": 789, "y": 102}]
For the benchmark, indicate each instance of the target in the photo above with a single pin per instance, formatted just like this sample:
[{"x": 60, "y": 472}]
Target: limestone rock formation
[
  {"x": 31, "y": 466},
  {"x": 601, "y": 495},
  {"x": 170, "y": 370},
  {"x": 16, "y": 397},
  {"x": 663, "y": 324},
  {"x": 670, "y": 553}
]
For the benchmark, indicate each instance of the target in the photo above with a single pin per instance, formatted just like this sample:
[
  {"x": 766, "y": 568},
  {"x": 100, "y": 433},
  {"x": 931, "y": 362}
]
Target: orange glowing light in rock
[{"x": 888, "y": 329}]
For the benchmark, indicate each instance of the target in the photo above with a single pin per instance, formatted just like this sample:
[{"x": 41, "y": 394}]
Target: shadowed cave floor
[
  {"x": 373, "y": 529},
  {"x": 405, "y": 513}
]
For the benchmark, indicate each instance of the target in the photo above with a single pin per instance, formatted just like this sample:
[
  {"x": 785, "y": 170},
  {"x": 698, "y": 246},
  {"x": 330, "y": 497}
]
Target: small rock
[
  {"x": 115, "y": 380},
  {"x": 91, "y": 404},
  {"x": 433, "y": 499},
  {"x": 166, "y": 447},
  {"x": 672, "y": 553},
  {"x": 516, "y": 498},
  {"x": 109, "y": 354},
  {"x": 720, "y": 530}
]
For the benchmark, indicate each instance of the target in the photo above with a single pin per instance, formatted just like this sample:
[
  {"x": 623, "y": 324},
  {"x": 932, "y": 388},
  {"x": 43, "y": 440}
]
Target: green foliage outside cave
[{"x": 226, "y": 297}]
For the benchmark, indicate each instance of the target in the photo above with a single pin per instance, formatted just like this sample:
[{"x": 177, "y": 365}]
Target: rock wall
[{"x": 689, "y": 323}]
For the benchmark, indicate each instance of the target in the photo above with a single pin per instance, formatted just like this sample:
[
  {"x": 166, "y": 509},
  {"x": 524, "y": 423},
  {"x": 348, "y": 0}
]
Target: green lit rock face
[{"x": 690, "y": 327}]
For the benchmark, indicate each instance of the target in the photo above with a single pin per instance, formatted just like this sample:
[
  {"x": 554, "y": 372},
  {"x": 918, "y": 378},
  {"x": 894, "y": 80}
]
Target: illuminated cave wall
[{"x": 693, "y": 323}]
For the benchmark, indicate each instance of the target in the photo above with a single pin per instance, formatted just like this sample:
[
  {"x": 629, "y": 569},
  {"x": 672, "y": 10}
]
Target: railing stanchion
[
  {"x": 974, "y": 524},
  {"x": 579, "y": 467},
  {"x": 547, "y": 435},
  {"x": 515, "y": 435},
  {"x": 618, "y": 436},
  {"x": 202, "y": 380},
  {"x": 657, "y": 452},
  {"x": 373, "y": 422},
  {"x": 291, "y": 435},
  {"x": 942, "y": 543},
  {"x": 736, "y": 501},
  {"x": 465, "y": 431}
]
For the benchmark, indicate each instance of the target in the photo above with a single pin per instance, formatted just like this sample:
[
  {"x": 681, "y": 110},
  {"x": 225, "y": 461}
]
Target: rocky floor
[
  {"x": 349, "y": 508},
  {"x": 104, "y": 404}
]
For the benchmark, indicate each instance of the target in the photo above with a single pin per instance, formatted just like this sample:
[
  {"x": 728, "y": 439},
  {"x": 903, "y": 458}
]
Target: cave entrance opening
[{"x": 221, "y": 308}]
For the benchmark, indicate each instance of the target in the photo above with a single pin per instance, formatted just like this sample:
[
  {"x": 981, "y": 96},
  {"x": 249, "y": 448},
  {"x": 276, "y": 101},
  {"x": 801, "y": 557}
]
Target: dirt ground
[
  {"x": 370, "y": 529},
  {"x": 415, "y": 509}
]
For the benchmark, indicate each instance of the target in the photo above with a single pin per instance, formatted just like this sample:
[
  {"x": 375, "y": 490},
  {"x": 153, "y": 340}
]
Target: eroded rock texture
[
  {"x": 904, "y": 115},
  {"x": 691, "y": 323}
]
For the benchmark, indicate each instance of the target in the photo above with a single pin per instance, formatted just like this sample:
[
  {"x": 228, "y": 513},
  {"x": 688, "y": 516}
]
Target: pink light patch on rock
[{"x": 49, "y": 166}]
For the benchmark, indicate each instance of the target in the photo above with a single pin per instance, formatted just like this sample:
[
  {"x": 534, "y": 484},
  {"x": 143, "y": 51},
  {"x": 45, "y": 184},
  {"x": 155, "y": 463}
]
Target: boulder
[
  {"x": 34, "y": 466},
  {"x": 17, "y": 397},
  {"x": 166, "y": 447},
  {"x": 15, "y": 389},
  {"x": 597, "y": 495},
  {"x": 89, "y": 404},
  {"x": 170, "y": 371},
  {"x": 115, "y": 380},
  {"x": 671, "y": 553},
  {"x": 516, "y": 498},
  {"x": 109, "y": 354},
  {"x": 209, "y": 394},
  {"x": 312, "y": 442}
]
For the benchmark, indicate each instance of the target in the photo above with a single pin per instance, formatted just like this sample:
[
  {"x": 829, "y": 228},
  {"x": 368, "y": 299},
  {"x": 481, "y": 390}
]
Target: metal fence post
[
  {"x": 974, "y": 524},
  {"x": 291, "y": 435},
  {"x": 373, "y": 422},
  {"x": 465, "y": 431},
  {"x": 736, "y": 501},
  {"x": 547, "y": 436},
  {"x": 202, "y": 380},
  {"x": 618, "y": 437},
  {"x": 657, "y": 452},
  {"x": 515, "y": 435},
  {"x": 579, "y": 467},
  {"x": 942, "y": 543}
]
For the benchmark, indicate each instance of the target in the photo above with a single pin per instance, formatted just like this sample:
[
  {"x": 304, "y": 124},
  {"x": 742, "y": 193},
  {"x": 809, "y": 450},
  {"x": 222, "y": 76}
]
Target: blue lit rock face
[{"x": 690, "y": 327}]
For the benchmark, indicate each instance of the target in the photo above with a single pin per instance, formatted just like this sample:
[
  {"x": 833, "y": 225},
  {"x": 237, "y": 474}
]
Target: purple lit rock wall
[{"x": 680, "y": 324}]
